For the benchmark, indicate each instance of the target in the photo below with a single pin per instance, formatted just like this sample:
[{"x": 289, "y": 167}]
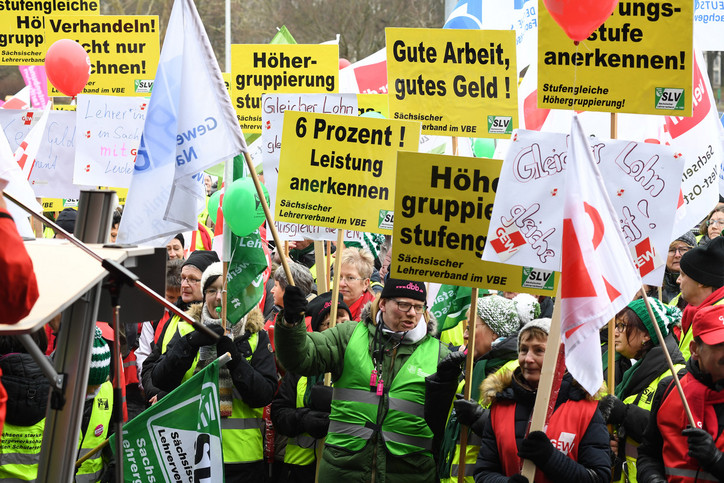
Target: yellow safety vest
[
  {"x": 174, "y": 326},
  {"x": 97, "y": 432},
  {"x": 20, "y": 451},
  {"x": 300, "y": 448}
]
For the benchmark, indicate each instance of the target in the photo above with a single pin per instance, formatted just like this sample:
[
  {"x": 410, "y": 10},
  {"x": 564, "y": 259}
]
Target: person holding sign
[
  {"x": 575, "y": 446},
  {"x": 628, "y": 410},
  {"x": 354, "y": 279},
  {"x": 671, "y": 450},
  {"x": 377, "y": 431}
]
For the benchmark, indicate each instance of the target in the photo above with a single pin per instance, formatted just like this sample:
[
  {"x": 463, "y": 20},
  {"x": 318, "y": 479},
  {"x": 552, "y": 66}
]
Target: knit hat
[
  {"x": 666, "y": 316},
  {"x": 527, "y": 306},
  {"x": 180, "y": 238},
  {"x": 708, "y": 325},
  {"x": 687, "y": 238},
  {"x": 201, "y": 259},
  {"x": 544, "y": 324},
  {"x": 499, "y": 314},
  {"x": 320, "y": 306},
  {"x": 66, "y": 220},
  {"x": 212, "y": 272},
  {"x": 100, "y": 363},
  {"x": 705, "y": 264},
  {"x": 395, "y": 287}
]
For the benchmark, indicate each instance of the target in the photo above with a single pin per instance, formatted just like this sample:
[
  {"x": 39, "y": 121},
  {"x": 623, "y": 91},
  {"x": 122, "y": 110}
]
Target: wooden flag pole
[
  {"x": 545, "y": 385},
  {"x": 322, "y": 285},
  {"x": 611, "y": 356},
  {"x": 469, "y": 362},
  {"x": 335, "y": 291}
]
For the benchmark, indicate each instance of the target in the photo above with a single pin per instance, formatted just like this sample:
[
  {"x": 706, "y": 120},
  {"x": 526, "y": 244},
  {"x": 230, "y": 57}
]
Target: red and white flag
[
  {"x": 598, "y": 277},
  {"x": 28, "y": 149}
]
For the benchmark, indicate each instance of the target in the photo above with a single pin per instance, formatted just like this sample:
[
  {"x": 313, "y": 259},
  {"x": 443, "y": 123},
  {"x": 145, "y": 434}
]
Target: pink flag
[{"x": 598, "y": 277}]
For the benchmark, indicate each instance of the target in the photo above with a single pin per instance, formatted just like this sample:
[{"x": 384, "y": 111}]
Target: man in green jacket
[{"x": 377, "y": 429}]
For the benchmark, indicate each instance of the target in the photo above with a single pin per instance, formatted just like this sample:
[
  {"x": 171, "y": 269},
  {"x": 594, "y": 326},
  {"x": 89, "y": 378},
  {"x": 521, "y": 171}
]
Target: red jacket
[{"x": 19, "y": 289}]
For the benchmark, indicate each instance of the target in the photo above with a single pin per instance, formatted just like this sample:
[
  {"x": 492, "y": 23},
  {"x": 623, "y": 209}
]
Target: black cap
[
  {"x": 66, "y": 220},
  {"x": 394, "y": 287},
  {"x": 705, "y": 264},
  {"x": 201, "y": 259},
  {"x": 320, "y": 306}
]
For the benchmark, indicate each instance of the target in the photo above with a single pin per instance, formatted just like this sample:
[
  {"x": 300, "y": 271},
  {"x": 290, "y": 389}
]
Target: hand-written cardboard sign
[
  {"x": 639, "y": 61},
  {"x": 288, "y": 68},
  {"x": 457, "y": 82},
  {"x": 123, "y": 49},
  {"x": 272, "y": 115},
  {"x": 443, "y": 206},
  {"x": 110, "y": 132},
  {"x": 23, "y": 24},
  {"x": 642, "y": 180},
  {"x": 339, "y": 171}
]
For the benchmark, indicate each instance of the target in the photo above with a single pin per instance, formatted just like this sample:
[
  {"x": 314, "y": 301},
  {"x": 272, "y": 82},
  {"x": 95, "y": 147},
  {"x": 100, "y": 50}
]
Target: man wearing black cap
[
  {"x": 191, "y": 292},
  {"x": 701, "y": 277},
  {"x": 377, "y": 430}
]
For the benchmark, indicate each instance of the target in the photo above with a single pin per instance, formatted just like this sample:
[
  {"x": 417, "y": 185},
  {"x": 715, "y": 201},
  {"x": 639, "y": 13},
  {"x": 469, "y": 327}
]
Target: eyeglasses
[
  {"x": 715, "y": 222},
  {"x": 190, "y": 281},
  {"x": 406, "y": 306},
  {"x": 620, "y": 326},
  {"x": 349, "y": 279},
  {"x": 680, "y": 250}
]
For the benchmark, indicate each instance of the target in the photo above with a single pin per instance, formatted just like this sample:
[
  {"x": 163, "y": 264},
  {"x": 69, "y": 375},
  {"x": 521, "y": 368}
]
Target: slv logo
[
  {"x": 669, "y": 99},
  {"x": 537, "y": 278},
  {"x": 500, "y": 125},
  {"x": 386, "y": 219},
  {"x": 508, "y": 241},
  {"x": 141, "y": 85}
]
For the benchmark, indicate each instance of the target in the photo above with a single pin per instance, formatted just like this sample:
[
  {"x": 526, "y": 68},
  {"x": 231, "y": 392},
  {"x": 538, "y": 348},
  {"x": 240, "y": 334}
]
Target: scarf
[
  {"x": 208, "y": 354},
  {"x": 690, "y": 310}
]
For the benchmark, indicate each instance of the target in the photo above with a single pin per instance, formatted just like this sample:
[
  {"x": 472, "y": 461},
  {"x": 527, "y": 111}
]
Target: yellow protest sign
[
  {"x": 287, "y": 68},
  {"x": 339, "y": 171},
  {"x": 22, "y": 26},
  {"x": 639, "y": 61},
  {"x": 58, "y": 204},
  {"x": 373, "y": 102},
  {"x": 456, "y": 82},
  {"x": 443, "y": 206},
  {"x": 64, "y": 107},
  {"x": 123, "y": 50}
]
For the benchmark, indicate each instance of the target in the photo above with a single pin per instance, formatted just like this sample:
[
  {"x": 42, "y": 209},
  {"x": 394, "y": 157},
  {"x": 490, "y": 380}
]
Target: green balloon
[
  {"x": 243, "y": 211},
  {"x": 483, "y": 148},
  {"x": 213, "y": 205}
]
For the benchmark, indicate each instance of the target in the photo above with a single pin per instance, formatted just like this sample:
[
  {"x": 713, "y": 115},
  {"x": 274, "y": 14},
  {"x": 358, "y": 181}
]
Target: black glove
[
  {"x": 537, "y": 447},
  {"x": 320, "y": 398},
  {"x": 316, "y": 423},
  {"x": 295, "y": 305},
  {"x": 613, "y": 409},
  {"x": 227, "y": 345},
  {"x": 199, "y": 339},
  {"x": 451, "y": 366},
  {"x": 471, "y": 414},
  {"x": 703, "y": 450},
  {"x": 518, "y": 479}
]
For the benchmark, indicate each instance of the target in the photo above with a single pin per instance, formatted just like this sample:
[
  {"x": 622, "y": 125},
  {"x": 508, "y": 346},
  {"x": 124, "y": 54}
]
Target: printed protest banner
[
  {"x": 110, "y": 131},
  {"x": 179, "y": 437},
  {"x": 709, "y": 24},
  {"x": 443, "y": 206},
  {"x": 642, "y": 180},
  {"x": 23, "y": 24},
  {"x": 288, "y": 68},
  {"x": 366, "y": 76},
  {"x": 52, "y": 175},
  {"x": 35, "y": 79},
  {"x": 272, "y": 115},
  {"x": 639, "y": 61},
  {"x": 123, "y": 50},
  {"x": 339, "y": 171},
  {"x": 457, "y": 82}
]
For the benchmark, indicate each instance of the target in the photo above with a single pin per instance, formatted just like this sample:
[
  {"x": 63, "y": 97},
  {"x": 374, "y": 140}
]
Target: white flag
[
  {"x": 28, "y": 149},
  {"x": 17, "y": 187},
  {"x": 598, "y": 276},
  {"x": 191, "y": 126}
]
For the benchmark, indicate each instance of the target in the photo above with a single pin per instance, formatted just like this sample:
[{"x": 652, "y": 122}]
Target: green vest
[
  {"x": 631, "y": 447},
  {"x": 20, "y": 451},
  {"x": 175, "y": 325},
  {"x": 356, "y": 411},
  {"x": 300, "y": 448},
  {"x": 473, "y": 445},
  {"x": 97, "y": 431},
  {"x": 242, "y": 432}
]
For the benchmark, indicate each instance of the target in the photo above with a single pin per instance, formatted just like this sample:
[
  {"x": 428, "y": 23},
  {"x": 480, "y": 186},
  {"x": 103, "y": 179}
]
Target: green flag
[
  {"x": 179, "y": 437},
  {"x": 245, "y": 280},
  {"x": 451, "y": 305}
]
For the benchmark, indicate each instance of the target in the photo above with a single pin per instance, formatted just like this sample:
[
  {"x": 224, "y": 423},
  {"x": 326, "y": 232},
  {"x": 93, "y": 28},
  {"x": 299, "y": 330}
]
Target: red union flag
[{"x": 598, "y": 277}]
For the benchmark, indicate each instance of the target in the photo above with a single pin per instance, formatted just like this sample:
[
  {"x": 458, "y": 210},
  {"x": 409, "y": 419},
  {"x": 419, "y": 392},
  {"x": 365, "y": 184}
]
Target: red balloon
[
  {"x": 579, "y": 18},
  {"x": 67, "y": 66},
  {"x": 343, "y": 63}
]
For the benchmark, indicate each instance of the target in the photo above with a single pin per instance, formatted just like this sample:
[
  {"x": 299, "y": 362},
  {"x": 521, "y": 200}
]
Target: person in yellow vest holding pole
[
  {"x": 244, "y": 389},
  {"x": 377, "y": 429},
  {"x": 628, "y": 410}
]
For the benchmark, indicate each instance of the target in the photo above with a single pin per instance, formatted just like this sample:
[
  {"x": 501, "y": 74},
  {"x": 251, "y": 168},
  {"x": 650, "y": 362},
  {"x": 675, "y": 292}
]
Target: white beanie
[{"x": 543, "y": 324}]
